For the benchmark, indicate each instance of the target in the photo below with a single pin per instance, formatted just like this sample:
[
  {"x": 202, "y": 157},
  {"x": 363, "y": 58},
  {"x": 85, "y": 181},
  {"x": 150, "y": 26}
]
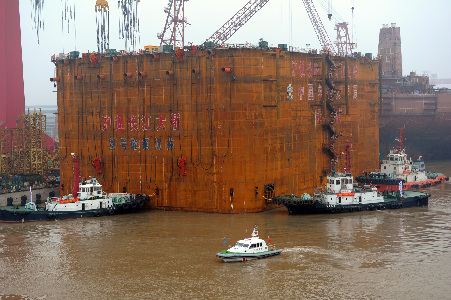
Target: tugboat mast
[{"x": 401, "y": 140}]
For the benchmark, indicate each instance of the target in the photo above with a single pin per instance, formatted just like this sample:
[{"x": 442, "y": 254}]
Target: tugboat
[
  {"x": 341, "y": 194},
  {"x": 249, "y": 249},
  {"x": 398, "y": 168},
  {"x": 90, "y": 201}
]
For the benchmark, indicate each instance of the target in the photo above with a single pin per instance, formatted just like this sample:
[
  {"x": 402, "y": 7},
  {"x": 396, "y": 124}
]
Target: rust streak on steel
[{"x": 213, "y": 141}]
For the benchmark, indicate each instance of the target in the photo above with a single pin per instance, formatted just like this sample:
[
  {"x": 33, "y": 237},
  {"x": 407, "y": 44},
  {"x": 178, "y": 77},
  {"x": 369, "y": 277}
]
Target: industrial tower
[
  {"x": 389, "y": 50},
  {"x": 12, "y": 99}
]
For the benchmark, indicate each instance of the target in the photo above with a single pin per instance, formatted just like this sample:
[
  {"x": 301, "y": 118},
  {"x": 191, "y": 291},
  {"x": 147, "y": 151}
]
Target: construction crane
[
  {"x": 318, "y": 26},
  {"x": 234, "y": 23},
  {"x": 174, "y": 29},
  {"x": 252, "y": 7},
  {"x": 343, "y": 42}
]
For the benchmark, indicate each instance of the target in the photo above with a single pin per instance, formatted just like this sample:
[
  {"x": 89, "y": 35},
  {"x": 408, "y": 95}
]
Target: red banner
[
  {"x": 62, "y": 201},
  {"x": 345, "y": 194}
]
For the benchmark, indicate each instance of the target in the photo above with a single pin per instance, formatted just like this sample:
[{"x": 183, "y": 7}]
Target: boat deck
[{"x": 19, "y": 208}]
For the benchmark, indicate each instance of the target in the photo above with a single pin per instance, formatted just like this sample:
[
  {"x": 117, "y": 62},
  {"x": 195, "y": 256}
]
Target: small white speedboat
[{"x": 249, "y": 249}]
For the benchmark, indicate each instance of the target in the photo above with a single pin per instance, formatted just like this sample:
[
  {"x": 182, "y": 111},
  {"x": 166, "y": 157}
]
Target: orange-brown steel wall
[{"x": 238, "y": 130}]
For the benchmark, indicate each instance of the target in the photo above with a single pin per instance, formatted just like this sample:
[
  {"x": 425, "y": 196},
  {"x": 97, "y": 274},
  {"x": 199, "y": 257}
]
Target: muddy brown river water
[{"x": 390, "y": 254}]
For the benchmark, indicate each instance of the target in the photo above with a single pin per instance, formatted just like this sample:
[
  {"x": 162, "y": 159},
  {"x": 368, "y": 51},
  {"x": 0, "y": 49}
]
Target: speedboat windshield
[{"x": 239, "y": 245}]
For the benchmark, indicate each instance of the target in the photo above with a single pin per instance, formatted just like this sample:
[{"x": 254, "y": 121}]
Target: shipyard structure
[
  {"x": 215, "y": 130},
  {"x": 411, "y": 102}
]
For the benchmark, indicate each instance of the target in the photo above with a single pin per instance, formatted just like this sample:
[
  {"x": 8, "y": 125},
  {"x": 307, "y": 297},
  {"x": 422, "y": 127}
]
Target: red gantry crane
[
  {"x": 252, "y": 7},
  {"x": 343, "y": 42},
  {"x": 174, "y": 29}
]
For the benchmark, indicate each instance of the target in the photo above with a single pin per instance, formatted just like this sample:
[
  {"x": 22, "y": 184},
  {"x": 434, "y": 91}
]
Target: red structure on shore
[{"x": 12, "y": 99}]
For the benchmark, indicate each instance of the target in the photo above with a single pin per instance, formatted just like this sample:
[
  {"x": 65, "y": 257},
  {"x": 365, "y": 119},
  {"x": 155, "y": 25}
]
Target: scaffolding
[{"x": 23, "y": 149}]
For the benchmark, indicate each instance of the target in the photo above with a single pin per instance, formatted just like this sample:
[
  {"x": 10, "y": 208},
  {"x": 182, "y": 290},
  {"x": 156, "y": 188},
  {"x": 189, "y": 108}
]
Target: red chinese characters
[
  {"x": 175, "y": 121},
  {"x": 133, "y": 123},
  {"x": 145, "y": 122},
  {"x": 301, "y": 92},
  {"x": 310, "y": 92},
  {"x": 106, "y": 121},
  {"x": 318, "y": 116},
  {"x": 119, "y": 123},
  {"x": 139, "y": 122},
  {"x": 160, "y": 123}
]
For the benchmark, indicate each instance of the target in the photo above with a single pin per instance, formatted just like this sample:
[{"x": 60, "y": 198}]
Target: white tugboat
[
  {"x": 249, "y": 249},
  {"x": 87, "y": 200},
  {"x": 399, "y": 168},
  {"x": 341, "y": 194}
]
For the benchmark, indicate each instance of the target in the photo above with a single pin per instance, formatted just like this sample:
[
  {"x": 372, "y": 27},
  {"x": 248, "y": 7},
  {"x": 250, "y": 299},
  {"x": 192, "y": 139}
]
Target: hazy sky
[{"x": 424, "y": 26}]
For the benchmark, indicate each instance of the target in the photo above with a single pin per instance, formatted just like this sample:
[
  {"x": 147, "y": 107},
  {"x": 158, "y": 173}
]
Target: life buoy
[{"x": 271, "y": 246}]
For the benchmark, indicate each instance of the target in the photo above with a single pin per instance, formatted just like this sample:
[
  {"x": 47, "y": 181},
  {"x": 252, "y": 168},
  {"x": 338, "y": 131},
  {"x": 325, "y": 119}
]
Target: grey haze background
[{"x": 425, "y": 26}]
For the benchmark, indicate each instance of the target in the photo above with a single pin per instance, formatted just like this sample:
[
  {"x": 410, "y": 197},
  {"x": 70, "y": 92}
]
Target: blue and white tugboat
[
  {"x": 87, "y": 200},
  {"x": 341, "y": 194},
  {"x": 249, "y": 249}
]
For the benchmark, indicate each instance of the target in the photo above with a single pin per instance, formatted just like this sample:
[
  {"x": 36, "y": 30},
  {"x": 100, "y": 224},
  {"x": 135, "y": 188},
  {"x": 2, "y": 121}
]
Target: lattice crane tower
[
  {"x": 318, "y": 26},
  {"x": 343, "y": 42},
  {"x": 237, "y": 21},
  {"x": 174, "y": 29}
]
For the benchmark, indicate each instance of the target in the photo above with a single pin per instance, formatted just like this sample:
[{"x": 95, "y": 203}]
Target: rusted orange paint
[{"x": 238, "y": 131}]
